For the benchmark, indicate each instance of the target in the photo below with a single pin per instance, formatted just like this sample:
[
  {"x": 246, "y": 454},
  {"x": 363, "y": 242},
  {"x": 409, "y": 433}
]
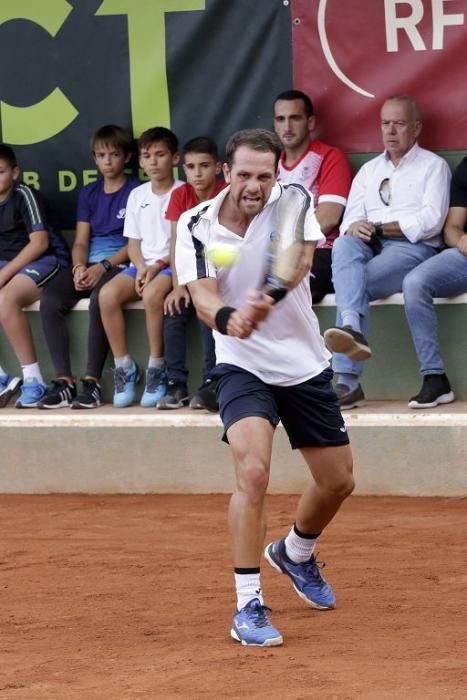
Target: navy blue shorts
[
  {"x": 39, "y": 271},
  {"x": 309, "y": 411}
]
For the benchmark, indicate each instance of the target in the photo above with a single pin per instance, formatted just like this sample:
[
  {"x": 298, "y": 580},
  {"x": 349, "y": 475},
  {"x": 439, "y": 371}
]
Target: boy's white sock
[
  {"x": 157, "y": 362},
  {"x": 32, "y": 371},
  {"x": 126, "y": 362}
]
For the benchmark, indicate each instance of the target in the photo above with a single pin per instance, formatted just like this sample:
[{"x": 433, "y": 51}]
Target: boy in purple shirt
[{"x": 99, "y": 252}]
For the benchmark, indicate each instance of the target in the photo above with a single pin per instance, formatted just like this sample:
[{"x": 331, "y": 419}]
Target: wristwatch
[
  {"x": 378, "y": 229},
  {"x": 105, "y": 264}
]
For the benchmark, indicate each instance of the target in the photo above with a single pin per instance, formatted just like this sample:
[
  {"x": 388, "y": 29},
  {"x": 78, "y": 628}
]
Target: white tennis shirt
[{"x": 287, "y": 348}]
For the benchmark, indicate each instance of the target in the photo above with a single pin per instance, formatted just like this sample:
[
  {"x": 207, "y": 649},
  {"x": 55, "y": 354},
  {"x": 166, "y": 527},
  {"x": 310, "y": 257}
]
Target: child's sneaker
[
  {"x": 32, "y": 393},
  {"x": 60, "y": 395},
  {"x": 8, "y": 387},
  {"x": 252, "y": 627},
  {"x": 205, "y": 397},
  {"x": 176, "y": 396},
  {"x": 156, "y": 387},
  {"x": 125, "y": 385},
  {"x": 90, "y": 395}
]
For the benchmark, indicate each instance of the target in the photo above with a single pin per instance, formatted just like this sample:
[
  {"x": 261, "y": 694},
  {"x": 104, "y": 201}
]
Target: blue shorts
[
  {"x": 39, "y": 271},
  {"x": 310, "y": 411},
  {"x": 131, "y": 272}
]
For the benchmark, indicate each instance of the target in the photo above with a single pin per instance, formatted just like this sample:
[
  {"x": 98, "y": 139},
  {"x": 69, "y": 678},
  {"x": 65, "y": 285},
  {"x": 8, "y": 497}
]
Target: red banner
[{"x": 350, "y": 55}]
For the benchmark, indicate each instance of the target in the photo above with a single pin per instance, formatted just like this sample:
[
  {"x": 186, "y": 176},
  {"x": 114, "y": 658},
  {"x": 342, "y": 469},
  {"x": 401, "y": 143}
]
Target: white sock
[
  {"x": 299, "y": 548},
  {"x": 157, "y": 362},
  {"x": 126, "y": 362},
  {"x": 248, "y": 587},
  {"x": 32, "y": 371}
]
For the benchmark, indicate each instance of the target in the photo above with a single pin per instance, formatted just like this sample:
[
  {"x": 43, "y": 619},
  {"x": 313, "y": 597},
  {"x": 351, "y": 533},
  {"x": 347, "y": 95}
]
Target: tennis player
[{"x": 272, "y": 366}]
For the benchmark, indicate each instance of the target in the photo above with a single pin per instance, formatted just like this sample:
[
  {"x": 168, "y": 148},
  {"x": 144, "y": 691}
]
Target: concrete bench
[{"x": 391, "y": 374}]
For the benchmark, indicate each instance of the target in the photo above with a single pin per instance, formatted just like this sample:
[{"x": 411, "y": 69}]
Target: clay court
[{"x": 125, "y": 597}]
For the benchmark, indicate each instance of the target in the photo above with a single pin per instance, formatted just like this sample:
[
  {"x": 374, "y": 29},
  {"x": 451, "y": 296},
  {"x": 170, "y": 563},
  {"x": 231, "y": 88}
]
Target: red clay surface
[{"x": 115, "y": 598}]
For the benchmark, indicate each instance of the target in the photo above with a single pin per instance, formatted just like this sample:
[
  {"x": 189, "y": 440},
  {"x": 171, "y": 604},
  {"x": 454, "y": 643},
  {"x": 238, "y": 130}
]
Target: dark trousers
[
  {"x": 175, "y": 328},
  {"x": 58, "y": 298},
  {"x": 321, "y": 278}
]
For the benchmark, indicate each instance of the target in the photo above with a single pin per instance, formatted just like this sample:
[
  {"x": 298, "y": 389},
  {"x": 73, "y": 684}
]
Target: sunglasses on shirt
[{"x": 384, "y": 191}]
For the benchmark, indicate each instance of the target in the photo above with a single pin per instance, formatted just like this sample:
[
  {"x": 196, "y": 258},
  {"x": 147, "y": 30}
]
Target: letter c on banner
[
  {"x": 328, "y": 53},
  {"x": 26, "y": 125}
]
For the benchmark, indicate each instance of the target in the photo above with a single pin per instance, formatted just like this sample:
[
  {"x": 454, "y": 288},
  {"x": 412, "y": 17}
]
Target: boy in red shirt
[{"x": 201, "y": 166}]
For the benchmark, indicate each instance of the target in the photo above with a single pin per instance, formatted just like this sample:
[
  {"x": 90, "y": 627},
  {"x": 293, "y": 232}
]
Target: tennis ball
[{"x": 223, "y": 255}]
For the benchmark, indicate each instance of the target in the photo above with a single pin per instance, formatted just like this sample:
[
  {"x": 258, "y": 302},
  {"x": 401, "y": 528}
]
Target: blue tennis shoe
[
  {"x": 156, "y": 387},
  {"x": 306, "y": 577},
  {"x": 32, "y": 393},
  {"x": 125, "y": 381},
  {"x": 251, "y": 626}
]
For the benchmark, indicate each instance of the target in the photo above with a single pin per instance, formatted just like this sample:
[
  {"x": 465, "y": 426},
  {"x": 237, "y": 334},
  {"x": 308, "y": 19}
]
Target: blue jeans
[
  {"x": 359, "y": 277},
  {"x": 175, "y": 328},
  {"x": 445, "y": 275}
]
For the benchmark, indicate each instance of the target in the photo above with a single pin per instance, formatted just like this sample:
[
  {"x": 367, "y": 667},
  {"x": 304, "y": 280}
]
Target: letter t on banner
[{"x": 146, "y": 39}]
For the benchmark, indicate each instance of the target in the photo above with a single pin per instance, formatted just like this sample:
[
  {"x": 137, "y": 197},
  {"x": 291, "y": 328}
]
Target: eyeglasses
[{"x": 385, "y": 191}]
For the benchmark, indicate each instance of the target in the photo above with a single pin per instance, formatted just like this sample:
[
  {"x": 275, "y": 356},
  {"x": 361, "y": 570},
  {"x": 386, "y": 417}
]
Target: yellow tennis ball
[{"x": 223, "y": 255}]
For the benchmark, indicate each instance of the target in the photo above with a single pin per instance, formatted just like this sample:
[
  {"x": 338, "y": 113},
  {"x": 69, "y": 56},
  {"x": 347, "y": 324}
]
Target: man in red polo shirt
[{"x": 324, "y": 170}]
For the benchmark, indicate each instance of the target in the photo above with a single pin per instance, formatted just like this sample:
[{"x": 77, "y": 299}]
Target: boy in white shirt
[{"x": 149, "y": 276}]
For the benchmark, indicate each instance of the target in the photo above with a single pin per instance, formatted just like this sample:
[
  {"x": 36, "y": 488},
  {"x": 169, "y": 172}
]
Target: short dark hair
[
  {"x": 112, "y": 135},
  {"x": 201, "y": 144},
  {"x": 156, "y": 134},
  {"x": 257, "y": 139},
  {"x": 8, "y": 155},
  {"x": 297, "y": 95}
]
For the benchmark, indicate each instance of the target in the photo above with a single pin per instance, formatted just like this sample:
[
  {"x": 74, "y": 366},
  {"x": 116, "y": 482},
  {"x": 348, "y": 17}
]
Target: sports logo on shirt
[{"x": 121, "y": 214}]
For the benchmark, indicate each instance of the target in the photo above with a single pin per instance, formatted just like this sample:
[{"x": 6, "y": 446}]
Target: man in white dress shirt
[{"x": 393, "y": 221}]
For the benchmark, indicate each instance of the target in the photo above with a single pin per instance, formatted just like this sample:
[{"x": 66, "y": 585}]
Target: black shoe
[
  {"x": 60, "y": 395},
  {"x": 435, "y": 390},
  {"x": 205, "y": 397},
  {"x": 90, "y": 395},
  {"x": 349, "y": 399},
  {"x": 176, "y": 396},
  {"x": 348, "y": 342}
]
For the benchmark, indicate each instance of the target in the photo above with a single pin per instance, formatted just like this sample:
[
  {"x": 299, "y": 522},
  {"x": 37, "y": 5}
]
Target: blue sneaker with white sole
[
  {"x": 9, "y": 386},
  {"x": 125, "y": 381},
  {"x": 306, "y": 577},
  {"x": 32, "y": 393},
  {"x": 156, "y": 387},
  {"x": 251, "y": 626}
]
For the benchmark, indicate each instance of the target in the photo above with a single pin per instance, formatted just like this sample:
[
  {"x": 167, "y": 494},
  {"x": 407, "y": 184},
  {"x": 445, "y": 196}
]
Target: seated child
[
  {"x": 149, "y": 276},
  {"x": 28, "y": 261},
  {"x": 99, "y": 251},
  {"x": 201, "y": 166}
]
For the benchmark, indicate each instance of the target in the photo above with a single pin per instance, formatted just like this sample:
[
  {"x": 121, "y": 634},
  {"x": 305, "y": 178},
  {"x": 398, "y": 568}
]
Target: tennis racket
[{"x": 287, "y": 242}]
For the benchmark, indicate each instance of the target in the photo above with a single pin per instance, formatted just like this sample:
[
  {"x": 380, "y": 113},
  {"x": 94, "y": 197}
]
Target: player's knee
[
  {"x": 253, "y": 481},
  {"x": 346, "y": 486}
]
